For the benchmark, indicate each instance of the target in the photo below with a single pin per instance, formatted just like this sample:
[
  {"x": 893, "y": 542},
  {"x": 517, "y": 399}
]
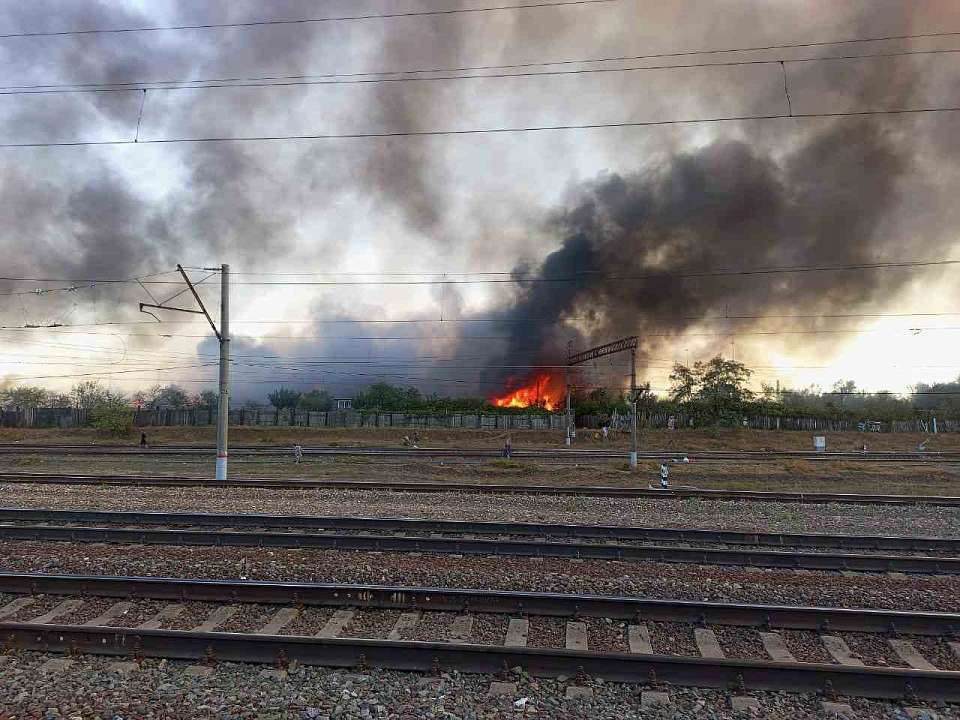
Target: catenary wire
[
  {"x": 902, "y": 112},
  {"x": 350, "y": 79},
  {"x": 301, "y": 21}
]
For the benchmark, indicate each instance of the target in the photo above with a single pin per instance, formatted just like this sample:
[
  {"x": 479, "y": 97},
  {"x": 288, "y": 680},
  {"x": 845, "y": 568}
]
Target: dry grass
[
  {"x": 698, "y": 439},
  {"x": 787, "y": 475}
]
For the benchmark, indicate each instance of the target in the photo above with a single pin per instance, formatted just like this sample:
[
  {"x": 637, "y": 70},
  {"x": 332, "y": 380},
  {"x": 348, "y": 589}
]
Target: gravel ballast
[
  {"x": 162, "y": 689},
  {"x": 676, "y": 512},
  {"x": 604, "y": 577}
]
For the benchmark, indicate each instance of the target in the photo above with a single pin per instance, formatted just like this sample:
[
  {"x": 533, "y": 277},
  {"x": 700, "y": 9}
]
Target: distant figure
[
  {"x": 507, "y": 448},
  {"x": 671, "y": 423},
  {"x": 864, "y": 449},
  {"x": 605, "y": 431},
  {"x": 143, "y": 440},
  {"x": 297, "y": 454},
  {"x": 416, "y": 438},
  {"x": 664, "y": 475}
]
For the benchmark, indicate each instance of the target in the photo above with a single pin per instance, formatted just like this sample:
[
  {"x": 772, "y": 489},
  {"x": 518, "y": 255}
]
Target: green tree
[
  {"x": 725, "y": 381},
  {"x": 684, "y": 382},
  {"x": 87, "y": 394},
  {"x": 283, "y": 398},
  {"x": 111, "y": 413},
  {"x": 316, "y": 401},
  {"x": 168, "y": 396},
  {"x": 24, "y": 396},
  {"x": 386, "y": 397}
]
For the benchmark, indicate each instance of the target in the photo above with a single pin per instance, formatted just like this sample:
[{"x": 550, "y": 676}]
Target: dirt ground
[
  {"x": 782, "y": 475},
  {"x": 696, "y": 439}
]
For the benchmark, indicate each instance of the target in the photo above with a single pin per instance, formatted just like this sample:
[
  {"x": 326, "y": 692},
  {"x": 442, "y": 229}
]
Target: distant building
[{"x": 343, "y": 403}]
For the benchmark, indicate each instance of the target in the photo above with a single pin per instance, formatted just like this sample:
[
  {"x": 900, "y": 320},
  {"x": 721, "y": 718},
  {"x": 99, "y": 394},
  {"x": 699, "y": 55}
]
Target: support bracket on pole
[{"x": 201, "y": 311}]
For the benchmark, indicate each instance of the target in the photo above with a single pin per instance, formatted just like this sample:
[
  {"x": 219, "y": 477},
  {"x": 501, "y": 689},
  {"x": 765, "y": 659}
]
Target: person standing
[
  {"x": 143, "y": 441},
  {"x": 664, "y": 475},
  {"x": 297, "y": 454}
]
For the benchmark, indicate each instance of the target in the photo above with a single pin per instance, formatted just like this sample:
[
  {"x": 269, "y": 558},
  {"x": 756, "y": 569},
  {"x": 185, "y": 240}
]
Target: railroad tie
[
  {"x": 168, "y": 612},
  {"x": 284, "y": 616},
  {"x": 908, "y": 652},
  {"x": 14, "y": 606},
  {"x": 67, "y": 606},
  {"x": 116, "y": 609},
  {"x": 461, "y": 629},
  {"x": 576, "y": 636},
  {"x": 840, "y": 651},
  {"x": 407, "y": 621},
  {"x": 707, "y": 643},
  {"x": 517, "y": 632},
  {"x": 217, "y": 618},
  {"x": 776, "y": 648},
  {"x": 638, "y": 636},
  {"x": 336, "y": 624}
]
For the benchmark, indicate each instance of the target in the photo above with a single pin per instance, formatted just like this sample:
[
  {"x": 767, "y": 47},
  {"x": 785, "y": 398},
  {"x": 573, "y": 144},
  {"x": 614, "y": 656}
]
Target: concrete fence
[{"x": 76, "y": 417}]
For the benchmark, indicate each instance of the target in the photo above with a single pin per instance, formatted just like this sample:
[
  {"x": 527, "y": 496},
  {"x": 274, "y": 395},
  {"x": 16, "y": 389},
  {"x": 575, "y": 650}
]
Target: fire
[{"x": 540, "y": 391}]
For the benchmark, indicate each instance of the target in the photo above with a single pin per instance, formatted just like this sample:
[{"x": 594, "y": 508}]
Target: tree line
[{"x": 717, "y": 391}]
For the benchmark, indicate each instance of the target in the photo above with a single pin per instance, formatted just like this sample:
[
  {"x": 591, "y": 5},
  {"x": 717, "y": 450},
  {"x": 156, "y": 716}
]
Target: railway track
[
  {"x": 491, "y": 488},
  {"x": 504, "y": 530},
  {"x": 614, "y": 638},
  {"x": 454, "y": 452},
  {"x": 461, "y": 544}
]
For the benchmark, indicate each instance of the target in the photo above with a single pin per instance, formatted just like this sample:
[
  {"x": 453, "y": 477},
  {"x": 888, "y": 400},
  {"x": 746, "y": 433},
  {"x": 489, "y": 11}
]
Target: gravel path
[
  {"x": 729, "y": 515},
  {"x": 161, "y": 689},
  {"x": 607, "y": 577}
]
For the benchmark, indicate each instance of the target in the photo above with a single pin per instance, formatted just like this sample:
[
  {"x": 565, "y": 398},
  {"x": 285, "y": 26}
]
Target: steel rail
[
  {"x": 491, "y": 488},
  {"x": 422, "y": 656},
  {"x": 618, "y": 532},
  {"x": 463, "y": 546},
  {"x": 394, "y": 597},
  {"x": 564, "y": 454}
]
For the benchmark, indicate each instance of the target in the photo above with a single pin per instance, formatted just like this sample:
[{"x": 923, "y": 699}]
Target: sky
[{"x": 360, "y": 259}]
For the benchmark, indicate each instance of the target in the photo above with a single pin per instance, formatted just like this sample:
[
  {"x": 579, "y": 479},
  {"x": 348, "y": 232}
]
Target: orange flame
[{"x": 537, "y": 392}]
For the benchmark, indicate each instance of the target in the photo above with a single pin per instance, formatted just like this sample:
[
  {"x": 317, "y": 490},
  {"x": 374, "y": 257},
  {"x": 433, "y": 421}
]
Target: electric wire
[
  {"x": 214, "y": 139},
  {"x": 299, "y": 21}
]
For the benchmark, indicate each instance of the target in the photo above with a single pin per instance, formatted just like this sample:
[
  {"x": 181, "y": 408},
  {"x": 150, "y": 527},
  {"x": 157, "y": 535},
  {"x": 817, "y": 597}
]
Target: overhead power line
[
  {"x": 487, "y": 131},
  {"x": 299, "y": 21},
  {"x": 532, "y": 276},
  {"x": 352, "y": 79}
]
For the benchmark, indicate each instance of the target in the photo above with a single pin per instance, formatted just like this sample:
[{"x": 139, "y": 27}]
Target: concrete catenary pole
[
  {"x": 633, "y": 418},
  {"x": 223, "y": 412}
]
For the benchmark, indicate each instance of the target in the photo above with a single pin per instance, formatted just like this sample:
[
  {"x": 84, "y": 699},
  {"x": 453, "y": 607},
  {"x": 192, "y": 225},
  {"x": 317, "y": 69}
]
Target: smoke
[
  {"x": 727, "y": 196},
  {"x": 627, "y": 240}
]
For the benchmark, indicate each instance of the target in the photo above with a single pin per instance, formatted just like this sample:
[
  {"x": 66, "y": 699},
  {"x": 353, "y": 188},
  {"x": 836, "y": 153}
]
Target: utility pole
[
  {"x": 621, "y": 345},
  {"x": 633, "y": 419},
  {"x": 223, "y": 411},
  {"x": 569, "y": 423},
  {"x": 223, "y": 336}
]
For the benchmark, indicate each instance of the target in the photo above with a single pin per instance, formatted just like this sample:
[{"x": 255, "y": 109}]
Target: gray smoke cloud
[{"x": 839, "y": 192}]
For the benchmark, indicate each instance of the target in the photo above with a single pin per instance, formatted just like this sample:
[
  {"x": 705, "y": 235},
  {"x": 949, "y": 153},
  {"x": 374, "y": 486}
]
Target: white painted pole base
[
  {"x": 633, "y": 461},
  {"x": 222, "y": 468}
]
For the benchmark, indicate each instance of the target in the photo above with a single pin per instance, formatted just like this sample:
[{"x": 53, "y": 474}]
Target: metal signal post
[
  {"x": 621, "y": 345},
  {"x": 223, "y": 336}
]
